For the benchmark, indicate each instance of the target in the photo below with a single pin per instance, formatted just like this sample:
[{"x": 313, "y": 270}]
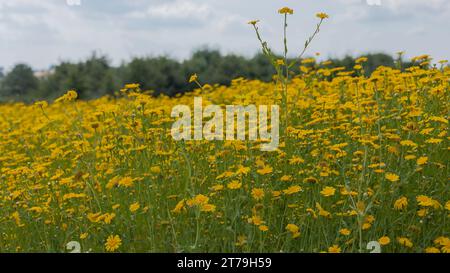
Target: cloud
[
  {"x": 43, "y": 32},
  {"x": 394, "y": 8},
  {"x": 177, "y": 10},
  {"x": 398, "y": 5}
]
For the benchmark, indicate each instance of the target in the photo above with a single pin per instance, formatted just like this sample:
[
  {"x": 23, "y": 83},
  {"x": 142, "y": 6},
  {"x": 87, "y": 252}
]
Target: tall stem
[{"x": 285, "y": 81}]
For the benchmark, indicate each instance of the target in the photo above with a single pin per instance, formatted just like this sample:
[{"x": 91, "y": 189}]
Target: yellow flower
[
  {"x": 422, "y": 160},
  {"x": 405, "y": 242},
  {"x": 217, "y": 187},
  {"x": 134, "y": 207},
  {"x": 442, "y": 241},
  {"x": 447, "y": 205},
  {"x": 280, "y": 62},
  {"x": 179, "y": 206},
  {"x": 36, "y": 209},
  {"x": 83, "y": 236},
  {"x": 73, "y": 196},
  {"x": 296, "y": 160},
  {"x": 311, "y": 180},
  {"x": 361, "y": 206},
  {"x": 71, "y": 95},
  {"x": 263, "y": 228},
  {"x": 345, "y": 232},
  {"x": 286, "y": 10},
  {"x": 257, "y": 193},
  {"x": 294, "y": 229},
  {"x": 198, "y": 200},
  {"x": 433, "y": 140},
  {"x": 322, "y": 212},
  {"x": 286, "y": 178},
  {"x": 292, "y": 190},
  {"x": 16, "y": 216},
  {"x": 392, "y": 177},
  {"x": 112, "y": 183},
  {"x": 193, "y": 78},
  {"x": 328, "y": 191},
  {"x": 446, "y": 248},
  {"x": 439, "y": 119},
  {"x": 425, "y": 201},
  {"x": 132, "y": 86},
  {"x": 113, "y": 243},
  {"x": 208, "y": 208},
  {"x": 42, "y": 104},
  {"x": 361, "y": 60},
  {"x": 432, "y": 250},
  {"x": 241, "y": 240},
  {"x": 322, "y": 15},
  {"x": 107, "y": 218},
  {"x": 243, "y": 170},
  {"x": 334, "y": 249},
  {"x": 126, "y": 182},
  {"x": 408, "y": 143},
  {"x": 401, "y": 203},
  {"x": 234, "y": 185},
  {"x": 253, "y": 22},
  {"x": 265, "y": 170},
  {"x": 256, "y": 220},
  {"x": 385, "y": 240},
  {"x": 370, "y": 219},
  {"x": 94, "y": 217},
  {"x": 422, "y": 212},
  {"x": 155, "y": 169}
]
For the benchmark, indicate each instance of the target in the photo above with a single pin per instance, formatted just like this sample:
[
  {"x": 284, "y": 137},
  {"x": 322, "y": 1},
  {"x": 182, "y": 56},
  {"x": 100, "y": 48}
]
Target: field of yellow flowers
[{"x": 365, "y": 159}]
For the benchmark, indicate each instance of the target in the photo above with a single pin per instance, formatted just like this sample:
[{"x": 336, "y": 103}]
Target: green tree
[
  {"x": 161, "y": 74},
  {"x": 19, "y": 84},
  {"x": 95, "y": 77},
  {"x": 91, "y": 79}
]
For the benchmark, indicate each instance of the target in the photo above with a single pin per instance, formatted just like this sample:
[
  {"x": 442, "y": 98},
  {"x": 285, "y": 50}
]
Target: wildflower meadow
[{"x": 361, "y": 158}]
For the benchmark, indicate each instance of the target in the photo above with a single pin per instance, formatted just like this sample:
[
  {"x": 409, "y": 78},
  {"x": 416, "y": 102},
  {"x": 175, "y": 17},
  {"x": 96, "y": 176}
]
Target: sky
[{"x": 42, "y": 33}]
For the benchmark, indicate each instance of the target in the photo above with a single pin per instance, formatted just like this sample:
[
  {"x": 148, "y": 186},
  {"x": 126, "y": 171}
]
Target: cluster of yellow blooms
[{"x": 366, "y": 159}]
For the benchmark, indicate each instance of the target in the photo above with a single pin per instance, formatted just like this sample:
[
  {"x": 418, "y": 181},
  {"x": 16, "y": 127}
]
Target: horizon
[{"x": 125, "y": 62}]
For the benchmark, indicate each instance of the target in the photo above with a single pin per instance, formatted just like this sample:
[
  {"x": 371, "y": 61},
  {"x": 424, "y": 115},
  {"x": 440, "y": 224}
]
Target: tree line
[{"x": 96, "y": 77}]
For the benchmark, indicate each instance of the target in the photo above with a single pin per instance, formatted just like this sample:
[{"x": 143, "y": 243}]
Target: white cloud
[
  {"x": 179, "y": 9},
  {"x": 41, "y": 32},
  {"x": 414, "y": 4}
]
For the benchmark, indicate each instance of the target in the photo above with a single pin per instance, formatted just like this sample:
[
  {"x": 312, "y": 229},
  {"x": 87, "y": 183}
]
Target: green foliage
[
  {"x": 18, "y": 83},
  {"x": 96, "y": 77},
  {"x": 161, "y": 74},
  {"x": 91, "y": 79}
]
